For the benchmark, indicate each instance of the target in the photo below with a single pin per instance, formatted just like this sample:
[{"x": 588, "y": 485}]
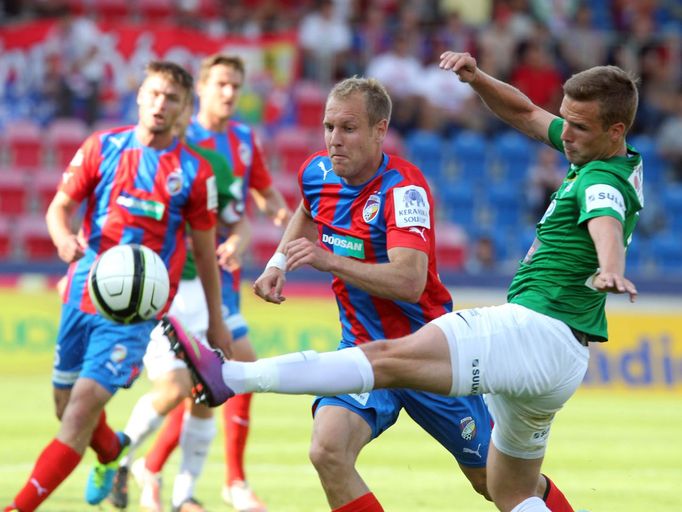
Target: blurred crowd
[{"x": 533, "y": 44}]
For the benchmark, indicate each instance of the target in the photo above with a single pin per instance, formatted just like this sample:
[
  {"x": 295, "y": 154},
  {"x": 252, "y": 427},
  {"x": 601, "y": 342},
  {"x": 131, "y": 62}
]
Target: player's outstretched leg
[{"x": 204, "y": 364}]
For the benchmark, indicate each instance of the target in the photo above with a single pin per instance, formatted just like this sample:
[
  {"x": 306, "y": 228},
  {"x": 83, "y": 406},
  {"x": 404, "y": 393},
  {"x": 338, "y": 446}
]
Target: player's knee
[
  {"x": 172, "y": 391},
  {"x": 327, "y": 457}
]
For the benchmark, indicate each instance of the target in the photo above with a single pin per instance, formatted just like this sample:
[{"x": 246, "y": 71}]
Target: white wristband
[{"x": 278, "y": 260}]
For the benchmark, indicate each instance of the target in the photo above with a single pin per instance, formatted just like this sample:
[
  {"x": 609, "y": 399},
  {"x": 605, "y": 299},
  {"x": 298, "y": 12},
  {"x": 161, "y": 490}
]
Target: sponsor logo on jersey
[
  {"x": 419, "y": 231},
  {"x": 141, "y": 207},
  {"x": 345, "y": 245},
  {"x": 174, "y": 182},
  {"x": 604, "y": 196},
  {"x": 77, "y": 159},
  {"x": 371, "y": 209},
  {"x": 475, "y": 377},
  {"x": 411, "y": 207},
  {"x": 324, "y": 170},
  {"x": 245, "y": 153},
  {"x": 118, "y": 353},
  {"x": 211, "y": 194},
  {"x": 467, "y": 428}
]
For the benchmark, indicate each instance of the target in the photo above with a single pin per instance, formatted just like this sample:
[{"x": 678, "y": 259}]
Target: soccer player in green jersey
[{"x": 529, "y": 355}]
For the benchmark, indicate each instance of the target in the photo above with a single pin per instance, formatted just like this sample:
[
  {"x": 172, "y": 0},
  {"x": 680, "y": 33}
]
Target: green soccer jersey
[
  {"x": 555, "y": 277},
  {"x": 230, "y": 201}
]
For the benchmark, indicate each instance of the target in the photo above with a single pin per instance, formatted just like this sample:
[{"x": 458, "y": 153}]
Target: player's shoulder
[
  {"x": 317, "y": 162},
  {"x": 239, "y": 128},
  {"x": 407, "y": 172}
]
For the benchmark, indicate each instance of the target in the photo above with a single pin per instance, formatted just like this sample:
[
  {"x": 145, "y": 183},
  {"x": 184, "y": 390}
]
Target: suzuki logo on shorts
[{"x": 475, "y": 377}]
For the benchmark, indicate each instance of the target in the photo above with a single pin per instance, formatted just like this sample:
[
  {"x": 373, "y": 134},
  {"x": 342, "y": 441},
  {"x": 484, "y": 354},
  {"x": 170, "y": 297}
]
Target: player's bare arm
[
  {"x": 402, "y": 278},
  {"x": 70, "y": 246},
  {"x": 203, "y": 243},
  {"x": 271, "y": 282},
  {"x": 271, "y": 203},
  {"x": 504, "y": 100},
  {"x": 607, "y": 235},
  {"x": 231, "y": 251}
]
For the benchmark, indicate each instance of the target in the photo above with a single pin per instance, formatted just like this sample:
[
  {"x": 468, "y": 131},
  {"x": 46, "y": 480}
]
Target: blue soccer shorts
[
  {"x": 90, "y": 346},
  {"x": 461, "y": 425},
  {"x": 231, "y": 298}
]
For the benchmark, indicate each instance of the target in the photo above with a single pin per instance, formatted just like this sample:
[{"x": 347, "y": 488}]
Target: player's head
[
  {"x": 183, "y": 120},
  {"x": 164, "y": 93},
  {"x": 599, "y": 107},
  {"x": 220, "y": 81},
  {"x": 356, "y": 119}
]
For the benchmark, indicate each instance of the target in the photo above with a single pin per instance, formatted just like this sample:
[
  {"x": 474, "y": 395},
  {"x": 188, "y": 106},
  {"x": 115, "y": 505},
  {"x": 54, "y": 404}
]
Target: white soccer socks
[
  {"x": 533, "y": 504},
  {"x": 303, "y": 373},
  {"x": 195, "y": 441},
  {"x": 143, "y": 421}
]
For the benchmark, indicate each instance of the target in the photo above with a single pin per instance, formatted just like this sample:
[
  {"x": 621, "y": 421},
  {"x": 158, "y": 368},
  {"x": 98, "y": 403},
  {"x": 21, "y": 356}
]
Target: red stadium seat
[
  {"x": 109, "y": 10},
  {"x": 287, "y": 184},
  {"x": 5, "y": 239},
  {"x": 64, "y": 137},
  {"x": 24, "y": 144},
  {"x": 34, "y": 240},
  {"x": 292, "y": 146},
  {"x": 155, "y": 10},
  {"x": 264, "y": 241},
  {"x": 451, "y": 247},
  {"x": 309, "y": 99},
  {"x": 44, "y": 187},
  {"x": 13, "y": 192},
  {"x": 209, "y": 8}
]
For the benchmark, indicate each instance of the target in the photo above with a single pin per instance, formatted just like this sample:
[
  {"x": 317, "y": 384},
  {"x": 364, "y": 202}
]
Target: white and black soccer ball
[{"x": 129, "y": 284}]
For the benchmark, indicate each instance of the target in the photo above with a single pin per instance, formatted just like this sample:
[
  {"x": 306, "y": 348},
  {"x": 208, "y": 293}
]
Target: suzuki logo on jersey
[
  {"x": 141, "y": 207},
  {"x": 371, "y": 209},
  {"x": 324, "y": 170},
  {"x": 345, "y": 245},
  {"x": 411, "y": 207},
  {"x": 174, "y": 182},
  {"x": 604, "y": 196}
]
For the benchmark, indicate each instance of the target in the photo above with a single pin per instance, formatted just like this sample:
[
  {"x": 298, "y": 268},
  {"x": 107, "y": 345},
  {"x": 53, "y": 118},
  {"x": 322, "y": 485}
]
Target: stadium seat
[
  {"x": 24, "y": 144},
  {"x": 112, "y": 10},
  {"x": 671, "y": 203},
  {"x": 155, "y": 10},
  {"x": 309, "y": 101},
  {"x": 426, "y": 151},
  {"x": 34, "y": 240},
  {"x": 64, "y": 137},
  {"x": 654, "y": 164},
  {"x": 457, "y": 203},
  {"x": 505, "y": 204},
  {"x": 13, "y": 192},
  {"x": 5, "y": 239},
  {"x": 666, "y": 251},
  {"x": 451, "y": 246},
  {"x": 264, "y": 241},
  {"x": 44, "y": 186},
  {"x": 469, "y": 150},
  {"x": 287, "y": 184},
  {"x": 513, "y": 154},
  {"x": 209, "y": 8},
  {"x": 292, "y": 146},
  {"x": 393, "y": 143}
]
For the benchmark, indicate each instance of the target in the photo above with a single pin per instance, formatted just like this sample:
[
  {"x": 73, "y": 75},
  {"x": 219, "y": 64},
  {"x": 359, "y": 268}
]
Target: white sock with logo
[
  {"x": 195, "y": 441},
  {"x": 533, "y": 504},
  {"x": 303, "y": 373},
  {"x": 143, "y": 421}
]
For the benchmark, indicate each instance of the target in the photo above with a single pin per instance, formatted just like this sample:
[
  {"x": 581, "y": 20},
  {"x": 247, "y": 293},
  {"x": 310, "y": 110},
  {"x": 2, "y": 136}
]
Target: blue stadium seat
[
  {"x": 513, "y": 154},
  {"x": 666, "y": 250},
  {"x": 426, "y": 151},
  {"x": 457, "y": 203},
  {"x": 506, "y": 205},
  {"x": 671, "y": 202},
  {"x": 654, "y": 164},
  {"x": 469, "y": 150}
]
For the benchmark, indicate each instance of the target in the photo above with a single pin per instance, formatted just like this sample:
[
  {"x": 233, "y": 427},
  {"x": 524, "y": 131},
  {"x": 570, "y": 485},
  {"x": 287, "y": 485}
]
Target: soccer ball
[{"x": 128, "y": 284}]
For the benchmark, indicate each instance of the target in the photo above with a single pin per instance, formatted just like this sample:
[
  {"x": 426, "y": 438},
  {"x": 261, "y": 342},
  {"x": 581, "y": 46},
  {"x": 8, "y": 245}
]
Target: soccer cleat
[
  {"x": 190, "y": 505},
  {"x": 119, "y": 492},
  {"x": 101, "y": 477},
  {"x": 242, "y": 498},
  {"x": 204, "y": 364}
]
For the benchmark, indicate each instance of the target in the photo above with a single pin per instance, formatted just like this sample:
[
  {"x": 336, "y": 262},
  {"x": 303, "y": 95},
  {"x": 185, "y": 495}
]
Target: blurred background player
[
  {"x": 220, "y": 81},
  {"x": 367, "y": 217},
  {"x": 172, "y": 382},
  {"x": 123, "y": 175}
]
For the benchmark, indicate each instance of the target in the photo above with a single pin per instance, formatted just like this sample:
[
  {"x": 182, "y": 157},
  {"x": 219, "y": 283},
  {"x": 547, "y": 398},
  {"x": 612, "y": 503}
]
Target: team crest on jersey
[
  {"x": 174, "y": 182},
  {"x": 245, "y": 153},
  {"x": 467, "y": 428},
  {"x": 371, "y": 209}
]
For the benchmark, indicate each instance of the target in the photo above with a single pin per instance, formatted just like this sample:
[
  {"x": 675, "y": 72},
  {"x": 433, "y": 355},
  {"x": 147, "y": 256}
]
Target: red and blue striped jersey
[
  {"x": 393, "y": 209},
  {"x": 239, "y": 146},
  {"x": 136, "y": 194}
]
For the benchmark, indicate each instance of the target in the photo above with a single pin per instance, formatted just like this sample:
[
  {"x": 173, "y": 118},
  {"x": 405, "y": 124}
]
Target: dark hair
[
  {"x": 220, "y": 59},
  {"x": 614, "y": 89},
  {"x": 172, "y": 71},
  {"x": 377, "y": 100}
]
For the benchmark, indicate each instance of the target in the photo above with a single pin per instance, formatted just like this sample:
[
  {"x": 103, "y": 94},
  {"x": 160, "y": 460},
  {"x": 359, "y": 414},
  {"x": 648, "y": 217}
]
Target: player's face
[
  {"x": 354, "y": 146},
  {"x": 219, "y": 93},
  {"x": 160, "y": 101},
  {"x": 584, "y": 136},
  {"x": 183, "y": 120}
]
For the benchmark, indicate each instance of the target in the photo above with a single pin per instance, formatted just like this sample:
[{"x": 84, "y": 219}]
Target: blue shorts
[
  {"x": 231, "y": 309},
  {"x": 90, "y": 346},
  {"x": 462, "y": 425}
]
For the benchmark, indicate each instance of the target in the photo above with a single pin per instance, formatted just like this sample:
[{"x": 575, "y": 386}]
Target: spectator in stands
[
  {"x": 582, "y": 46},
  {"x": 370, "y": 37},
  {"x": 496, "y": 44},
  {"x": 537, "y": 76},
  {"x": 76, "y": 40},
  {"x": 482, "y": 258},
  {"x": 325, "y": 40},
  {"x": 668, "y": 136}
]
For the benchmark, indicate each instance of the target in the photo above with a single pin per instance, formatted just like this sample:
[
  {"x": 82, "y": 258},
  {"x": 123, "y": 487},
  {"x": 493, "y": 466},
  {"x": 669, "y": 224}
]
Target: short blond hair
[
  {"x": 377, "y": 101},
  {"x": 220, "y": 59}
]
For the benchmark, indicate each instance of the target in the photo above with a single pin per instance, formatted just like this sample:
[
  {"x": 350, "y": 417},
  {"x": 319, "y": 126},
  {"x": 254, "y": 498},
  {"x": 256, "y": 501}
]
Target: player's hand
[
  {"x": 614, "y": 283},
  {"x": 463, "y": 64},
  {"x": 302, "y": 251},
  {"x": 281, "y": 217},
  {"x": 228, "y": 259},
  {"x": 219, "y": 336},
  {"x": 269, "y": 285},
  {"x": 71, "y": 248}
]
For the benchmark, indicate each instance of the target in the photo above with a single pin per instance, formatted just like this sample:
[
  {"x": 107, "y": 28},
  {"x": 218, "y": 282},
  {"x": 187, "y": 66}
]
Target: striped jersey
[
  {"x": 237, "y": 143},
  {"x": 393, "y": 209},
  {"x": 136, "y": 194}
]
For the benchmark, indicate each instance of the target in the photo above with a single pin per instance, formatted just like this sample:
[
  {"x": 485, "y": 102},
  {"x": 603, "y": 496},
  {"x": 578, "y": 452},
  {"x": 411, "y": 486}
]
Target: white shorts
[
  {"x": 527, "y": 365},
  {"x": 189, "y": 307}
]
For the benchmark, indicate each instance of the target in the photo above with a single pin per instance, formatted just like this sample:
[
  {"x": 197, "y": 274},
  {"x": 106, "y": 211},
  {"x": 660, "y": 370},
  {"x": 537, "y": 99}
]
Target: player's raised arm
[{"x": 504, "y": 100}]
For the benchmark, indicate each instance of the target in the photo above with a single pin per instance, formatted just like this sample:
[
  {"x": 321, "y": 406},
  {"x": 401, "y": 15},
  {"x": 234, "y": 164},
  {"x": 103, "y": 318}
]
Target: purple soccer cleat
[{"x": 203, "y": 363}]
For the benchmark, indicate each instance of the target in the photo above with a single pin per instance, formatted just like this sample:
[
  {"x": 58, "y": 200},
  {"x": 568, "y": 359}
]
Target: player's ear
[
  {"x": 616, "y": 132},
  {"x": 380, "y": 130}
]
